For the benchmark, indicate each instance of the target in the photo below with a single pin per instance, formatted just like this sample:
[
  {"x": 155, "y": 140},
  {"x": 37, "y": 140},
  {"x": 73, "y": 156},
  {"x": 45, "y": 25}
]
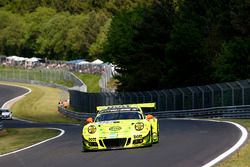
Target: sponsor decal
[
  {"x": 137, "y": 136},
  {"x": 112, "y": 136},
  {"x": 115, "y": 128},
  {"x": 92, "y": 139}
]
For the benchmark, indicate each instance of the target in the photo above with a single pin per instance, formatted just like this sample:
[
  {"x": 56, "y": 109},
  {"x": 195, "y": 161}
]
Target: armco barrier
[
  {"x": 75, "y": 115},
  {"x": 216, "y": 112}
]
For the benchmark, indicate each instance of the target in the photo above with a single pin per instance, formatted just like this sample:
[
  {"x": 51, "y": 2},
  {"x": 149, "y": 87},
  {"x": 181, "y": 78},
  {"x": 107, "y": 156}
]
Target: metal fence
[
  {"x": 215, "y": 112},
  {"x": 44, "y": 75},
  {"x": 62, "y": 69},
  {"x": 189, "y": 98},
  {"x": 107, "y": 74}
]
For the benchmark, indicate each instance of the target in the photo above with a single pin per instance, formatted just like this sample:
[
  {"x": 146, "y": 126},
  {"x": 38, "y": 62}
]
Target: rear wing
[{"x": 140, "y": 105}]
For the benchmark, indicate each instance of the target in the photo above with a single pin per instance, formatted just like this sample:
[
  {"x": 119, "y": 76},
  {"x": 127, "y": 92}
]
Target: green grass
[
  {"x": 242, "y": 157},
  {"x": 41, "y": 105},
  {"x": 66, "y": 83},
  {"x": 14, "y": 139},
  {"x": 91, "y": 80}
]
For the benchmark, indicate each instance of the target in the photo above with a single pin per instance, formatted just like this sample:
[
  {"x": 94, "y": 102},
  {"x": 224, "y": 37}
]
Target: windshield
[
  {"x": 5, "y": 111},
  {"x": 118, "y": 116}
]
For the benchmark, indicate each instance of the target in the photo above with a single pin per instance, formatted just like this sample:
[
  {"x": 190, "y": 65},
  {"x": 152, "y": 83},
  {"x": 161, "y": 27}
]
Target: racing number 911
[{"x": 120, "y": 126}]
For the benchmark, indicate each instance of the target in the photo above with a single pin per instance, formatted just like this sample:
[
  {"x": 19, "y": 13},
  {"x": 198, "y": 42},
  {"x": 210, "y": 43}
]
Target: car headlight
[
  {"x": 139, "y": 126},
  {"x": 91, "y": 129}
]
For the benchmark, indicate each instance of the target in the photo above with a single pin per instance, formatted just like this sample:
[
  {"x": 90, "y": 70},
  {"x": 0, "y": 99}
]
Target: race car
[
  {"x": 120, "y": 126},
  {"x": 6, "y": 114}
]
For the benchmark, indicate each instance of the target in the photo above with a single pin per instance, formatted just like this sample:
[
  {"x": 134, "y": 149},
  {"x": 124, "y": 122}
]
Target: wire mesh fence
[
  {"x": 207, "y": 96},
  {"x": 107, "y": 74},
  {"x": 44, "y": 75}
]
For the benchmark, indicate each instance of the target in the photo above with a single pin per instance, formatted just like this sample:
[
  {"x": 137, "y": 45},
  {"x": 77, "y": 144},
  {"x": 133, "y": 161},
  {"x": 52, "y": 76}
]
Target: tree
[
  {"x": 51, "y": 41},
  {"x": 12, "y": 33},
  {"x": 136, "y": 43},
  {"x": 35, "y": 24},
  {"x": 234, "y": 61},
  {"x": 97, "y": 48}
]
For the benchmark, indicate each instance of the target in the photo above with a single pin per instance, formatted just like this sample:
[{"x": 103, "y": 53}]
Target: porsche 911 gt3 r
[{"x": 120, "y": 126}]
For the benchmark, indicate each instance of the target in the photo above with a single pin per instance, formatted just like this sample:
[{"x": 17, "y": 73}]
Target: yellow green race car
[{"x": 120, "y": 126}]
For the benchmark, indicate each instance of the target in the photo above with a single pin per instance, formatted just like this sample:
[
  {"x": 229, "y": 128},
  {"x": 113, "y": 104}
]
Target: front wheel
[{"x": 155, "y": 136}]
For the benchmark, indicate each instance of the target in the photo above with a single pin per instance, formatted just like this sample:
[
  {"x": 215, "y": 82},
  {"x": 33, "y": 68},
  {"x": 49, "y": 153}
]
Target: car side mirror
[
  {"x": 148, "y": 117},
  {"x": 89, "y": 120}
]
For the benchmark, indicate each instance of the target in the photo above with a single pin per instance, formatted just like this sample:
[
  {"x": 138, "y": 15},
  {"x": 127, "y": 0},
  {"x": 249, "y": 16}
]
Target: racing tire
[{"x": 157, "y": 136}]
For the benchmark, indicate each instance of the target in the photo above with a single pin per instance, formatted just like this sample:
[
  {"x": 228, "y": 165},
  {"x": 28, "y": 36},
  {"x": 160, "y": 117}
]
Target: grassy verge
[
  {"x": 91, "y": 80},
  {"x": 242, "y": 157},
  {"x": 40, "y": 105},
  {"x": 14, "y": 139}
]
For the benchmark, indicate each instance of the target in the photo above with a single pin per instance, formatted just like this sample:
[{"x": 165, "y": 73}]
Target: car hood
[
  {"x": 5, "y": 113},
  {"x": 118, "y": 126}
]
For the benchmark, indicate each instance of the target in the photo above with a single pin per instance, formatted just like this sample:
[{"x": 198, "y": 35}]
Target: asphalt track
[
  {"x": 9, "y": 92},
  {"x": 183, "y": 143}
]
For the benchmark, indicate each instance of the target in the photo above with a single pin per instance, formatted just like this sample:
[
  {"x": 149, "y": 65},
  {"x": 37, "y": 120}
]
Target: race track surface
[
  {"x": 9, "y": 92},
  {"x": 183, "y": 143}
]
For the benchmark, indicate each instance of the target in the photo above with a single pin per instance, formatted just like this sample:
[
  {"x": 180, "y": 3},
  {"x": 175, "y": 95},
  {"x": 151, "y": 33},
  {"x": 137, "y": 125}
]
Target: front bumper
[
  {"x": 6, "y": 117},
  {"x": 103, "y": 143}
]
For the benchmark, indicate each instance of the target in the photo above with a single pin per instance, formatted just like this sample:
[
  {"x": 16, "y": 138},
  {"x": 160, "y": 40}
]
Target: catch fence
[
  {"x": 188, "y": 98},
  {"x": 55, "y": 76}
]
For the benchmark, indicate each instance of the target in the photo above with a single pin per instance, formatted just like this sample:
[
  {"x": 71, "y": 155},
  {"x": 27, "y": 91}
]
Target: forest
[{"x": 156, "y": 44}]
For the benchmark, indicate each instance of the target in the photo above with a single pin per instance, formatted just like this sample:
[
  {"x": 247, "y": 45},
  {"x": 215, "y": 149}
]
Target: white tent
[
  {"x": 33, "y": 59},
  {"x": 11, "y": 57},
  {"x": 20, "y": 59},
  {"x": 83, "y": 62},
  {"x": 97, "y": 61}
]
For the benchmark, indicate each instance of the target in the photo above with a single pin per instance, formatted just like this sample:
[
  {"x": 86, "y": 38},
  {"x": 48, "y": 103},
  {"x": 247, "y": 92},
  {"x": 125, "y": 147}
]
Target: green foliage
[
  {"x": 91, "y": 80},
  {"x": 156, "y": 44},
  {"x": 12, "y": 32},
  {"x": 234, "y": 61},
  {"x": 98, "y": 46},
  {"x": 136, "y": 43},
  {"x": 185, "y": 57}
]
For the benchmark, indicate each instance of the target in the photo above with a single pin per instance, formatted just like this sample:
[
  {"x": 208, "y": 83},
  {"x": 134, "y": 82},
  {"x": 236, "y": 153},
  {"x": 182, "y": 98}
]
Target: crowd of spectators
[{"x": 81, "y": 66}]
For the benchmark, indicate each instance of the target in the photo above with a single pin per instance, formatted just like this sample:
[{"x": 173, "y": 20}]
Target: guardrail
[
  {"x": 216, "y": 112},
  {"x": 75, "y": 115}
]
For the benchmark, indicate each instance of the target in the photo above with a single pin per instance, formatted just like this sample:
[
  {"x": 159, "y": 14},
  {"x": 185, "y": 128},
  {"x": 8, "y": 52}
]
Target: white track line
[
  {"x": 232, "y": 149},
  {"x": 238, "y": 144},
  {"x": 34, "y": 145},
  {"x": 6, "y": 103},
  {"x": 235, "y": 147}
]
